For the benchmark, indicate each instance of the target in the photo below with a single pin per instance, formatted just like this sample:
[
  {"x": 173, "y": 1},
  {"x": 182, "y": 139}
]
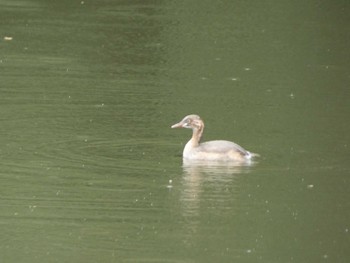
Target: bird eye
[{"x": 187, "y": 123}]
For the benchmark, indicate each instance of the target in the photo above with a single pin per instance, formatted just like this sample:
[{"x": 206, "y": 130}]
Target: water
[{"x": 92, "y": 172}]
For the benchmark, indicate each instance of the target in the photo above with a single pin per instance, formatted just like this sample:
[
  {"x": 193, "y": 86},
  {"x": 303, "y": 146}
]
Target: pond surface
[{"x": 91, "y": 171}]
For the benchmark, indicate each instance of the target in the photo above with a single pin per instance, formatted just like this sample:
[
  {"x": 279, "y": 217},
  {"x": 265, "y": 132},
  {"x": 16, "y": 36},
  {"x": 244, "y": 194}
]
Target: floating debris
[
  {"x": 169, "y": 186},
  {"x": 7, "y": 38},
  {"x": 100, "y": 105}
]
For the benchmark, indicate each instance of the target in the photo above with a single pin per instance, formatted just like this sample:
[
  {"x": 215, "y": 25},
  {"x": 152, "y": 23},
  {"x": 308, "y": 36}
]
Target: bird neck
[{"x": 197, "y": 135}]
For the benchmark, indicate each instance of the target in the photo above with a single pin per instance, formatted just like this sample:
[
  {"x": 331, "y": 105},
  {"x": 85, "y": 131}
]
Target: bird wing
[{"x": 221, "y": 146}]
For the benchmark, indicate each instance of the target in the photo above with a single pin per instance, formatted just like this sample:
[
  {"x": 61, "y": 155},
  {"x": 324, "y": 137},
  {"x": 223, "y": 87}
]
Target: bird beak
[{"x": 177, "y": 125}]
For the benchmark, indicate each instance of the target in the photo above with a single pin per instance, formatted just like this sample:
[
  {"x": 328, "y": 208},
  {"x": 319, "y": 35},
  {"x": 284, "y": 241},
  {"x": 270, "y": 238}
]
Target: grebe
[{"x": 218, "y": 150}]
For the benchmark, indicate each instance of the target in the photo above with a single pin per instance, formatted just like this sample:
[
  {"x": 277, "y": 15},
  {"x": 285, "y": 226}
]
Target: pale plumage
[{"x": 213, "y": 150}]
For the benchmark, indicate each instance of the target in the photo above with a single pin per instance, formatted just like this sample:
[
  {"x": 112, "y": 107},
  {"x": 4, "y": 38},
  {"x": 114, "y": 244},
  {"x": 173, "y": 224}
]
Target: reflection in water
[
  {"x": 208, "y": 186},
  {"x": 198, "y": 173}
]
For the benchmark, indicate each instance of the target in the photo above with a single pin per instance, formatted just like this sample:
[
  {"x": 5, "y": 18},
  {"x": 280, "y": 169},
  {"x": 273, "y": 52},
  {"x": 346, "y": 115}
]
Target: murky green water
[{"x": 91, "y": 171}]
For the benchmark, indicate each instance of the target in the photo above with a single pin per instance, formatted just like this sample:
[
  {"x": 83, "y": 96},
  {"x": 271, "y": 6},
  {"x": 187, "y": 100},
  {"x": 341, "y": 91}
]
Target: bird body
[{"x": 217, "y": 150}]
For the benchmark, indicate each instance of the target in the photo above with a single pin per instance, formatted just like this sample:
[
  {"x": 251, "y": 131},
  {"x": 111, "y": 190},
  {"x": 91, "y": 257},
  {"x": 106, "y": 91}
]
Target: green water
[{"x": 91, "y": 172}]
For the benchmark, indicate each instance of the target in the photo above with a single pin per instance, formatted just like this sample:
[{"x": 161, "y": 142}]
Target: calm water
[{"x": 91, "y": 171}]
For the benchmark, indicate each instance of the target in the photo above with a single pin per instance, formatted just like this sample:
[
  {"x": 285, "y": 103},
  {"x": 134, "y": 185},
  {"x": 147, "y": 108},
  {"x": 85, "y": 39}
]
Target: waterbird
[{"x": 217, "y": 150}]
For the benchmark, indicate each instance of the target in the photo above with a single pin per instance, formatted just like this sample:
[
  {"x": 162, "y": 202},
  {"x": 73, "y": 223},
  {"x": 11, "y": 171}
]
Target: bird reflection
[
  {"x": 199, "y": 173},
  {"x": 206, "y": 185}
]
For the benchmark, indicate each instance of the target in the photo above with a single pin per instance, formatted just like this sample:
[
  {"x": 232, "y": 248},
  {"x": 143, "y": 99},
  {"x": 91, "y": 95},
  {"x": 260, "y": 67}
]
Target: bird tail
[{"x": 252, "y": 155}]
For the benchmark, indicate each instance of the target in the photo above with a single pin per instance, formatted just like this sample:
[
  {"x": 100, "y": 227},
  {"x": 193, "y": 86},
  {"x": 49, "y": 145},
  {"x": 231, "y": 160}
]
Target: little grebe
[{"x": 213, "y": 150}]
